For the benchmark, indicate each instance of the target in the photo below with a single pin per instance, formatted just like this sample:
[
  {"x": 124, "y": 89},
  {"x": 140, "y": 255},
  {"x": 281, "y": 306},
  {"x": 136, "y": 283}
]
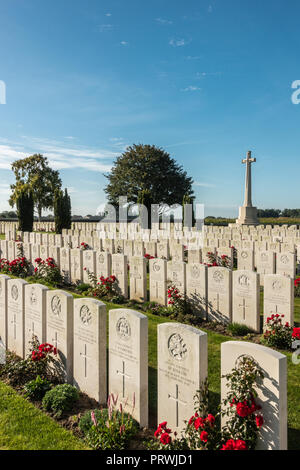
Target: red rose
[
  {"x": 259, "y": 421},
  {"x": 165, "y": 438},
  {"x": 240, "y": 445},
  {"x": 204, "y": 436},
  {"x": 242, "y": 409}
]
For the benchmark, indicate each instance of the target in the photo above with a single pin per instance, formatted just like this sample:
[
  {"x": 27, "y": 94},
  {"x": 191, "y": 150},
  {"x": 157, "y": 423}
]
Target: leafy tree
[
  {"x": 25, "y": 206},
  {"x": 33, "y": 173},
  {"x": 187, "y": 200},
  {"x": 62, "y": 210},
  {"x": 145, "y": 199},
  {"x": 146, "y": 167}
]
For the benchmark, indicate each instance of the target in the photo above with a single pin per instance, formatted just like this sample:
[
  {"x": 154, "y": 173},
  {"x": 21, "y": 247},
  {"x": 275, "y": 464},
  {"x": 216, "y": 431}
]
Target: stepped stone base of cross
[{"x": 247, "y": 216}]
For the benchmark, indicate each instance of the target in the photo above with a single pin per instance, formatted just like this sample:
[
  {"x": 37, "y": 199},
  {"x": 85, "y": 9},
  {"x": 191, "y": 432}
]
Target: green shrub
[
  {"x": 83, "y": 287},
  {"x": 60, "y": 399},
  {"x": 108, "y": 430},
  {"x": 236, "y": 329},
  {"x": 36, "y": 389},
  {"x": 101, "y": 416}
]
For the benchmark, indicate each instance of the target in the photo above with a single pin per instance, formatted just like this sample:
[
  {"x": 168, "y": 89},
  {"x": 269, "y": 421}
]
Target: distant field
[{"x": 265, "y": 221}]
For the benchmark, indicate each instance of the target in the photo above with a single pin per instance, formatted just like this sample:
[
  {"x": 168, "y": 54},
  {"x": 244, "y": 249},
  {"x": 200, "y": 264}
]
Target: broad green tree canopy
[{"x": 146, "y": 167}]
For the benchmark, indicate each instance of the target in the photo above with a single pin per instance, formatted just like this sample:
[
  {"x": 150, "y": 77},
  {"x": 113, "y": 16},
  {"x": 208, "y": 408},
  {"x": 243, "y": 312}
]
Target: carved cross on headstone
[
  {"x": 177, "y": 401},
  {"x": 124, "y": 375},
  {"x": 244, "y": 308},
  {"x": 217, "y": 299},
  {"x": 14, "y": 322},
  {"x": 86, "y": 357},
  {"x": 56, "y": 341}
]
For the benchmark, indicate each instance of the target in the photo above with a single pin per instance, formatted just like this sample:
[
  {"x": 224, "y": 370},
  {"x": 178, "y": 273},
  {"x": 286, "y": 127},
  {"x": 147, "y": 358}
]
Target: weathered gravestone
[
  {"x": 128, "y": 361},
  {"x": 35, "y": 314},
  {"x": 89, "y": 264},
  {"x": 120, "y": 270},
  {"x": 272, "y": 389},
  {"x": 245, "y": 299},
  {"x": 245, "y": 260},
  {"x": 182, "y": 371},
  {"x": 196, "y": 287},
  {"x": 103, "y": 264},
  {"x": 265, "y": 264},
  {"x": 65, "y": 264},
  {"x": 176, "y": 275},
  {"x": 158, "y": 281},
  {"x": 76, "y": 265},
  {"x": 89, "y": 373},
  {"x": 15, "y": 316},
  {"x": 286, "y": 264},
  {"x": 279, "y": 297},
  {"x": 3, "y": 308},
  {"x": 219, "y": 295},
  {"x": 163, "y": 250},
  {"x": 59, "y": 329},
  {"x": 138, "y": 278}
]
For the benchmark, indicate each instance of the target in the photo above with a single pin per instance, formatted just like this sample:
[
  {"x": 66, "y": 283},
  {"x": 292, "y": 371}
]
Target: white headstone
[
  {"x": 35, "y": 314},
  {"x": 245, "y": 299},
  {"x": 89, "y": 373},
  {"x": 182, "y": 370},
  {"x": 128, "y": 361},
  {"x": 219, "y": 297},
  {"x": 272, "y": 391},
  {"x": 15, "y": 316},
  {"x": 59, "y": 329},
  {"x": 279, "y": 297}
]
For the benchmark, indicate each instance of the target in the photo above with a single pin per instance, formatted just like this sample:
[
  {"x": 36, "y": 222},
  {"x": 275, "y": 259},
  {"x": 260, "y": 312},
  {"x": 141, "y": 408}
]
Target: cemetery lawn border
[{"x": 25, "y": 427}]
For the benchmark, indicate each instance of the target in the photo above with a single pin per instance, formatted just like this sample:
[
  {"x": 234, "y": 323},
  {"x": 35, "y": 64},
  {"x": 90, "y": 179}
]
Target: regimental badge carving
[
  {"x": 33, "y": 298},
  {"x": 101, "y": 259},
  {"x": 85, "y": 315},
  {"x": 177, "y": 347},
  {"x": 195, "y": 272},
  {"x": 56, "y": 305},
  {"x": 123, "y": 328},
  {"x": 244, "y": 280},
  {"x": 244, "y": 254},
  {"x": 14, "y": 292},
  {"x": 156, "y": 267},
  {"x": 284, "y": 259},
  {"x": 218, "y": 276},
  {"x": 277, "y": 285}
]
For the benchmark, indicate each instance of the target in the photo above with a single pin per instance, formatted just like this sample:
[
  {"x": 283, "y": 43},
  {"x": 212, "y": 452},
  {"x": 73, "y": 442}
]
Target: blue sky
[{"x": 205, "y": 80}]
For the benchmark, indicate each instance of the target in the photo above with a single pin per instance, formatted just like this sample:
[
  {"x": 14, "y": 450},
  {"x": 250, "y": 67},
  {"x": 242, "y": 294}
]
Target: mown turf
[{"x": 24, "y": 427}]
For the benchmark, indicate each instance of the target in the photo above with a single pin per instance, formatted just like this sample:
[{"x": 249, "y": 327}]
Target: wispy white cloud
[
  {"x": 124, "y": 43},
  {"x": 193, "y": 57},
  {"x": 163, "y": 21},
  {"x": 191, "y": 88},
  {"x": 210, "y": 9},
  {"x": 104, "y": 28},
  {"x": 107, "y": 14},
  {"x": 179, "y": 42},
  {"x": 204, "y": 185},
  {"x": 207, "y": 74},
  {"x": 59, "y": 155}
]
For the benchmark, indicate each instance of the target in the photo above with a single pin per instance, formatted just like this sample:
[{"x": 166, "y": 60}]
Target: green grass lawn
[
  {"x": 24, "y": 427},
  {"x": 27, "y": 419},
  {"x": 2, "y": 236}
]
